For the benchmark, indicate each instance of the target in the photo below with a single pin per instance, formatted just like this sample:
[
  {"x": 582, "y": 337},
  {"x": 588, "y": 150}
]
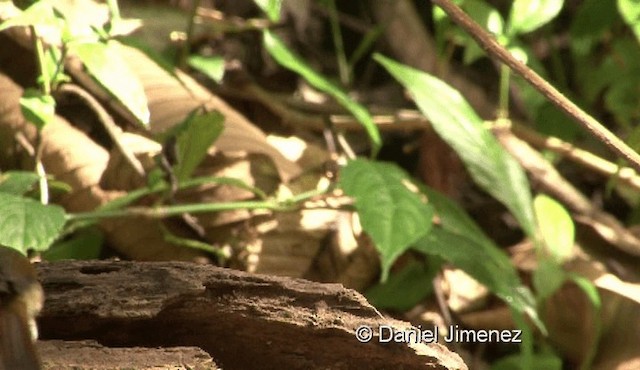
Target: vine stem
[
  {"x": 179, "y": 209},
  {"x": 495, "y": 50},
  {"x": 45, "y": 86}
]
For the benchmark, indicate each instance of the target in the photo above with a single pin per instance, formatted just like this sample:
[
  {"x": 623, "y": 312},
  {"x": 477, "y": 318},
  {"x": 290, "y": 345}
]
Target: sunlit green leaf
[
  {"x": 456, "y": 123},
  {"x": 55, "y": 70},
  {"x": 39, "y": 14},
  {"x": 281, "y": 53},
  {"x": 529, "y": 15},
  {"x": 556, "y": 227},
  {"x": 27, "y": 224},
  {"x": 212, "y": 67},
  {"x": 106, "y": 65},
  {"x": 392, "y": 215},
  {"x": 488, "y": 18},
  {"x": 630, "y": 11},
  {"x": 271, "y": 8},
  {"x": 38, "y": 108},
  {"x": 485, "y": 15}
]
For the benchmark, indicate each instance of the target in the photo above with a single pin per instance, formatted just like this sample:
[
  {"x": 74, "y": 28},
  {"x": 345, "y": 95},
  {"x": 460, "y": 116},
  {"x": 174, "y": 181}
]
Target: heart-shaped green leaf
[
  {"x": 27, "y": 224},
  {"x": 393, "y": 215}
]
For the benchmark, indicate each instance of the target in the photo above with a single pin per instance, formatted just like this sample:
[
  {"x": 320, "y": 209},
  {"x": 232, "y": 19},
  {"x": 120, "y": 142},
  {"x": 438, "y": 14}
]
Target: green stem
[
  {"x": 175, "y": 210},
  {"x": 114, "y": 10},
  {"x": 43, "y": 183},
  {"x": 505, "y": 75},
  {"x": 45, "y": 85},
  {"x": 184, "y": 50},
  {"x": 526, "y": 347},
  {"x": 343, "y": 65}
]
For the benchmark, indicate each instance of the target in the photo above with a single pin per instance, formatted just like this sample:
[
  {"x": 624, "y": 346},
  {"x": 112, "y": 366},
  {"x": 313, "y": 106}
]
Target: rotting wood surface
[{"x": 244, "y": 321}]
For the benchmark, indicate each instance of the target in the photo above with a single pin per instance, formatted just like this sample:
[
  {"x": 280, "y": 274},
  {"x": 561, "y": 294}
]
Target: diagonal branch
[{"x": 495, "y": 50}]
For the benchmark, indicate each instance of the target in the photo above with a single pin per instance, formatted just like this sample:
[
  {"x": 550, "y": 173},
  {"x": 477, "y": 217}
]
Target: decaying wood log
[
  {"x": 84, "y": 355},
  {"x": 243, "y": 321}
]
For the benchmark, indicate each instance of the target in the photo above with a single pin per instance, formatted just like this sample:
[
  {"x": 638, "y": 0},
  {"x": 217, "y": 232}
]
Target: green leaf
[
  {"x": 194, "y": 140},
  {"x": 630, "y": 11},
  {"x": 104, "y": 62},
  {"x": 551, "y": 121},
  {"x": 592, "y": 19},
  {"x": 37, "y": 108},
  {"x": 52, "y": 62},
  {"x": 17, "y": 182},
  {"x": 621, "y": 98},
  {"x": 556, "y": 227},
  {"x": 169, "y": 237},
  {"x": 453, "y": 218},
  {"x": 39, "y": 14},
  {"x": 212, "y": 67},
  {"x": 393, "y": 216},
  {"x": 86, "y": 244},
  {"x": 454, "y": 120},
  {"x": 547, "y": 278},
  {"x": 484, "y": 263},
  {"x": 485, "y": 15},
  {"x": 27, "y": 224},
  {"x": 405, "y": 289},
  {"x": 591, "y": 291},
  {"x": 488, "y": 18},
  {"x": 529, "y": 15},
  {"x": 271, "y": 8},
  {"x": 460, "y": 241},
  {"x": 368, "y": 41},
  {"x": 285, "y": 57}
]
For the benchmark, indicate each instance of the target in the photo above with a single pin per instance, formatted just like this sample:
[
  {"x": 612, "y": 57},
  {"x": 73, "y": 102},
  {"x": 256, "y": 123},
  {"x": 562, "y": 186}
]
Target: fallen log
[{"x": 243, "y": 321}]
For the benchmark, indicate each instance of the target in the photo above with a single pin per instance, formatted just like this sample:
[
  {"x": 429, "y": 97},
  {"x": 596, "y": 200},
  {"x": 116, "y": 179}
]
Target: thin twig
[
  {"x": 226, "y": 23},
  {"x": 546, "y": 176},
  {"x": 582, "y": 157},
  {"x": 495, "y": 50},
  {"x": 290, "y": 112},
  {"x": 410, "y": 120}
]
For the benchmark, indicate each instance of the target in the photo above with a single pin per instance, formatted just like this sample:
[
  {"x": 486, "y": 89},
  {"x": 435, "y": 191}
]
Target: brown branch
[
  {"x": 549, "y": 179},
  {"x": 495, "y": 50},
  {"x": 580, "y": 156}
]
